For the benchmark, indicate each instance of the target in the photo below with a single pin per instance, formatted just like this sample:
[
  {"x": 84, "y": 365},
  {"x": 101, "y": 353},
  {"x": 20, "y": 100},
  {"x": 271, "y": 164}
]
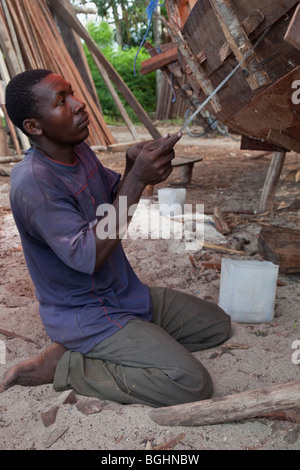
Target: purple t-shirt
[{"x": 54, "y": 206}]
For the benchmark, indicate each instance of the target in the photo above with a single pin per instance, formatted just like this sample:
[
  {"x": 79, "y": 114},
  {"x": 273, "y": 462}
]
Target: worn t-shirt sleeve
[{"x": 60, "y": 225}]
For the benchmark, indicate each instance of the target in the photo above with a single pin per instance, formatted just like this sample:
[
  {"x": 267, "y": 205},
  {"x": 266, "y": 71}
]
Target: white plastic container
[
  {"x": 171, "y": 201},
  {"x": 248, "y": 290}
]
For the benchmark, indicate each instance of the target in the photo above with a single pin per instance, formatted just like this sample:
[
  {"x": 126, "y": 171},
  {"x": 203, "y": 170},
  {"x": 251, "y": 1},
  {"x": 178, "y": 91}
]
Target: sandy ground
[{"x": 232, "y": 180}]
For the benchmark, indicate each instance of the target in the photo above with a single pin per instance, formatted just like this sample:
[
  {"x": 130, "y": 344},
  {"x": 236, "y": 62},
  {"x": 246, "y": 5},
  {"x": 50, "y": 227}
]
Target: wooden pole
[
  {"x": 273, "y": 175},
  {"x": 4, "y": 150},
  {"x": 69, "y": 16},
  {"x": 57, "y": 58},
  {"x": 12, "y": 158},
  {"x": 6, "y": 75},
  {"x": 236, "y": 407},
  {"x": 8, "y": 49},
  {"x": 116, "y": 99},
  {"x": 76, "y": 51}
]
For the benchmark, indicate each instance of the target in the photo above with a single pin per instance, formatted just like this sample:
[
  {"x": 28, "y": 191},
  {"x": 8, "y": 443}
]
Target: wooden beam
[
  {"x": 272, "y": 179},
  {"x": 293, "y": 33},
  {"x": 12, "y": 158},
  {"x": 283, "y": 140},
  {"x": 239, "y": 43},
  {"x": 68, "y": 14},
  {"x": 192, "y": 61},
  {"x": 253, "y": 21},
  {"x": 250, "y": 24},
  {"x": 159, "y": 61},
  {"x": 236, "y": 407}
]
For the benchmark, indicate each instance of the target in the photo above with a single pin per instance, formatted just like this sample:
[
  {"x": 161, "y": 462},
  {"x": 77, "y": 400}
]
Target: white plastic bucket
[
  {"x": 171, "y": 201},
  {"x": 248, "y": 290}
]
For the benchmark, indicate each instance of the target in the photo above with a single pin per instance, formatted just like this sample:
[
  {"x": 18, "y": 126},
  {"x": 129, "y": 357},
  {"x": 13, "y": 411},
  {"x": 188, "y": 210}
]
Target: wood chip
[
  {"x": 55, "y": 436},
  {"x": 49, "y": 416},
  {"x": 170, "y": 444},
  {"x": 236, "y": 346}
]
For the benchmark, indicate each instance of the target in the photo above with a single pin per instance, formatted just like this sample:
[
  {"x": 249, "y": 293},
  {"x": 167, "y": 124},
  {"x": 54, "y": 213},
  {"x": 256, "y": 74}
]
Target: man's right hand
[{"x": 153, "y": 164}]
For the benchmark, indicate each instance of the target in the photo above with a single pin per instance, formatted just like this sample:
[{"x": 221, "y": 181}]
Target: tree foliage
[
  {"x": 142, "y": 86},
  {"x": 129, "y": 18}
]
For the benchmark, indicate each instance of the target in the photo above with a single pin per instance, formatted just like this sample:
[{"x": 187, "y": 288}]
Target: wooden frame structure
[{"x": 212, "y": 37}]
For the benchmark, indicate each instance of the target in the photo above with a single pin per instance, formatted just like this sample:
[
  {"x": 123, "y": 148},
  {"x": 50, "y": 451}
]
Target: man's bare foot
[{"x": 36, "y": 371}]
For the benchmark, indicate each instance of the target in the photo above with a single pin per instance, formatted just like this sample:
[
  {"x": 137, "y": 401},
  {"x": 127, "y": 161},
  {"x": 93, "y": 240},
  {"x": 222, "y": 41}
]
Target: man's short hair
[{"x": 19, "y": 98}]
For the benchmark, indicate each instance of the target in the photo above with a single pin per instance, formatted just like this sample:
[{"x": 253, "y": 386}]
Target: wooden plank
[
  {"x": 191, "y": 59},
  {"x": 8, "y": 49},
  {"x": 180, "y": 161},
  {"x": 271, "y": 109},
  {"x": 272, "y": 179},
  {"x": 202, "y": 22},
  {"x": 281, "y": 246},
  {"x": 13, "y": 131},
  {"x": 293, "y": 33},
  {"x": 248, "y": 143},
  {"x": 240, "y": 43},
  {"x": 13, "y": 34},
  {"x": 252, "y": 21},
  {"x": 156, "y": 62},
  {"x": 12, "y": 158},
  {"x": 277, "y": 138},
  {"x": 57, "y": 58},
  {"x": 235, "y": 407},
  {"x": 249, "y": 24}
]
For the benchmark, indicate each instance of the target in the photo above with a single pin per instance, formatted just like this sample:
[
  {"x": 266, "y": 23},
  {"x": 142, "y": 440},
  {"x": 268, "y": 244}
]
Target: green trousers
[{"x": 150, "y": 363}]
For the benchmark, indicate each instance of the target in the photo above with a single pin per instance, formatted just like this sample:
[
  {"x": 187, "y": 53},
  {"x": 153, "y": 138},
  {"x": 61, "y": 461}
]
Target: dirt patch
[{"x": 232, "y": 180}]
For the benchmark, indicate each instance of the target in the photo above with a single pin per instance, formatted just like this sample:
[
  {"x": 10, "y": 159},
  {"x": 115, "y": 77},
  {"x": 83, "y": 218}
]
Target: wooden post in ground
[{"x": 273, "y": 175}]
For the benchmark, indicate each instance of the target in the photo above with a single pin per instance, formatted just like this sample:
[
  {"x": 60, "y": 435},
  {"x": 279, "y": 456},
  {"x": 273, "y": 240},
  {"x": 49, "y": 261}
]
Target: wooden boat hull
[{"x": 261, "y": 101}]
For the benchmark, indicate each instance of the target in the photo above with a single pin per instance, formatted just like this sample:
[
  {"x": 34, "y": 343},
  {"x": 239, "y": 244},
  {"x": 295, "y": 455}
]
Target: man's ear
[{"x": 32, "y": 127}]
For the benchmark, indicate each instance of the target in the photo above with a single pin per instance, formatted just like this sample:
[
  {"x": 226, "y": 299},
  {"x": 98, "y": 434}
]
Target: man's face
[{"x": 63, "y": 120}]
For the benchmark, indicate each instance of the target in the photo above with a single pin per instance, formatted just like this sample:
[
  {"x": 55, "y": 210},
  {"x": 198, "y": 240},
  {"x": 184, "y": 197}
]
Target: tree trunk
[{"x": 119, "y": 37}]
